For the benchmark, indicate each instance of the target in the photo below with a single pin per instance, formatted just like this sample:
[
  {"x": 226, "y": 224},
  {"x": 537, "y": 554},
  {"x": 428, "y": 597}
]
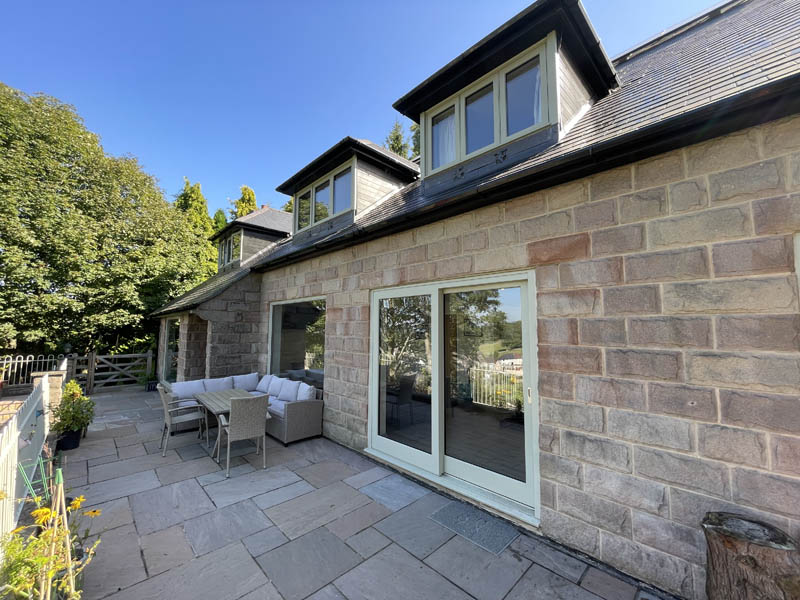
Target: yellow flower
[
  {"x": 42, "y": 515},
  {"x": 76, "y": 503},
  {"x": 93, "y": 513}
]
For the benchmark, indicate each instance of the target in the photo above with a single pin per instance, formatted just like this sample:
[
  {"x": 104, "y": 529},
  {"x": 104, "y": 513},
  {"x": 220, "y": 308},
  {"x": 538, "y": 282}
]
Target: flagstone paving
[{"x": 322, "y": 522}]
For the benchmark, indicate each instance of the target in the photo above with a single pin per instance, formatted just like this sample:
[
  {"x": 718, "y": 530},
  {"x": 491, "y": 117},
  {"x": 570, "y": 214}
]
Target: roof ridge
[{"x": 679, "y": 28}]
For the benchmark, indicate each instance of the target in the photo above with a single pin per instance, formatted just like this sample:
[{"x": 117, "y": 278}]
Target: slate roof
[
  {"x": 210, "y": 288},
  {"x": 739, "y": 47},
  {"x": 266, "y": 218}
]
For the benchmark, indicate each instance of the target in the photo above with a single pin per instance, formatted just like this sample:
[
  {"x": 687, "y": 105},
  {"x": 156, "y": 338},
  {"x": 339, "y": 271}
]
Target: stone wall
[
  {"x": 669, "y": 341},
  {"x": 56, "y": 382}
]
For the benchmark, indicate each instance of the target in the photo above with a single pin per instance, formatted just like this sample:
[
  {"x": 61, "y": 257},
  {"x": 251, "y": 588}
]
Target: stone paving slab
[
  {"x": 131, "y": 451},
  {"x": 165, "y": 549},
  {"x": 109, "y": 432},
  {"x": 478, "y": 526},
  {"x": 130, "y": 466},
  {"x": 219, "y": 528},
  {"x": 315, "y": 509},
  {"x": 89, "y": 450},
  {"x": 394, "y": 492},
  {"x": 393, "y": 573},
  {"x": 288, "y": 566},
  {"x": 329, "y": 592},
  {"x": 283, "y": 494},
  {"x": 412, "y": 528},
  {"x": 538, "y": 582},
  {"x": 226, "y": 574},
  {"x": 117, "y": 564},
  {"x": 263, "y": 541},
  {"x": 483, "y": 574},
  {"x": 236, "y": 489},
  {"x": 169, "y": 505},
  {"x": 559, "y": 562},
  {"x": 137, "y": 438},
  {"x": 186, "y": 470},
  {"x": 321, "y": 449},
  {"x": 325, "y": 473},
  {"x": 113, "y": 514},
  {"x": 175, "y": 441},
  {"x": 198, "y": 450},
  {"x": 607, "y": 586},
  {"x": 101, "y": 460},
  {"x": 149, "y": 426},
  {"x": 361, "y": 518},
  {"x": 366, "y": 477},
  {"x": 237, "y": 471},
  {"x": 111, "y": 489},
  {"x": 368, "y": 542},
  {"x": 265, "y": 592}
]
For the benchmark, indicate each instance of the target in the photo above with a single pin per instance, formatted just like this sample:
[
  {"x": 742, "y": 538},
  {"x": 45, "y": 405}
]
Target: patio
[{"x": 322, "y": 522}]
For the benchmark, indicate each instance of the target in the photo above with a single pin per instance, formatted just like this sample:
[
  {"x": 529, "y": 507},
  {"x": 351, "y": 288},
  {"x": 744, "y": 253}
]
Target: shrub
[{"x": 75, "y": 412}]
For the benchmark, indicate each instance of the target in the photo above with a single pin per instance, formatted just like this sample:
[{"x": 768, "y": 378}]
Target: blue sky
[{"x": 247, "y": 92}]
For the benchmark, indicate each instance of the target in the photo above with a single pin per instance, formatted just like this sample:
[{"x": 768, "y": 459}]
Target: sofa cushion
[
  {"x": 188, "y": 403},
  {"x": 263, "y": 385},
  {"x": 247, "y": 382},
  {"x": 187, "y": 389},
  {"x": 275, "y": 385},
  {"x": 276, "y": 406},
  {"x": 289, "y": 391},
  {"x": 306, "y": 392},
  {"x": 218, "y": 384}
]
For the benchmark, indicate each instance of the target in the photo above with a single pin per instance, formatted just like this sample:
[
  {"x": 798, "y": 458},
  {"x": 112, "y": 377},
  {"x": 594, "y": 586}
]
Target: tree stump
[{"x": 749, "y": 560}]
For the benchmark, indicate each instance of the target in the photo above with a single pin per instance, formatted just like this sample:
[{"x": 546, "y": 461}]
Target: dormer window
[
  {"x": 328, "y": 196},
  {"x": 509, "y": 102},
  {"x": 229, "y": 249}
]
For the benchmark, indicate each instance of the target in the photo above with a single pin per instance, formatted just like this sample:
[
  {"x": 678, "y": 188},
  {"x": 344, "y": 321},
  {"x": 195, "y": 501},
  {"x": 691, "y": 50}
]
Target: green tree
[
  {"x": 88, "y": 244},
  {"x": 245, "y": 204},
  {"x": 219, "y": 221},
  {"x": 289, "y": 206},
  {"x": 193, "y": 204},
  {"x": 396, "y": 140},
  {"x": 414, "y": 140}
]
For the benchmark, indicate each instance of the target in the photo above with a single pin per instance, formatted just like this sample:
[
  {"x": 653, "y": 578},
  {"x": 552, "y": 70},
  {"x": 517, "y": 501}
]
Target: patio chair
[
  {"x": 180, "y": 411},
  {"x": 247, "y": 421},
  {"x": 404, "y": 397}
]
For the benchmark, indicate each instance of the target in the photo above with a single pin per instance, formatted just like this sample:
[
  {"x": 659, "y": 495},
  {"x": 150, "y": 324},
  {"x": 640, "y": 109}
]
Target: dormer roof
[
  {"x": 402, "y": 168},
  {"x": 576, "y": 36},
  {"x": 266, "y": 219}
]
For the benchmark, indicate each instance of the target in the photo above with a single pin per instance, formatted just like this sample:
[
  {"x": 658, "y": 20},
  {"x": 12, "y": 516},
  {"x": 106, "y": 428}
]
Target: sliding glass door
[{"x": 452, "y": 381}]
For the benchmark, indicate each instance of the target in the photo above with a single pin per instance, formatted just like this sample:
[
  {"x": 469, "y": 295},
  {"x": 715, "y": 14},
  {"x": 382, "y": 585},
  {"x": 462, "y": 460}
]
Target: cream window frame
[
  {"x": 329, "y": 177},
  {"x": 270, "y": 331},
  {"x": 545, "y": 50}
]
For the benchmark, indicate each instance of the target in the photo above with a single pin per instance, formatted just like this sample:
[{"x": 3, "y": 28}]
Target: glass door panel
[{"x": 405, "y": 366}]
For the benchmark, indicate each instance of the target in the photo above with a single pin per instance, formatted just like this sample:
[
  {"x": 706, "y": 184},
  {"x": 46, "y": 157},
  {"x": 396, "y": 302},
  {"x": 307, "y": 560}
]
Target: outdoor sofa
[{"x": 295, "y": 408}]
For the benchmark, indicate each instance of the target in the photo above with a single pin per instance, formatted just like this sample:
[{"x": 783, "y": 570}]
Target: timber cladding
[{"x": 669, "y": 341}]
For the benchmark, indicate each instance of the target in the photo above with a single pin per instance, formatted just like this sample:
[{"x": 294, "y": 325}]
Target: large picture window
[
  {"x": 328, "y": 196},
  {"x": 170, "y": 373},
  {"x": 297, "y": 345}
]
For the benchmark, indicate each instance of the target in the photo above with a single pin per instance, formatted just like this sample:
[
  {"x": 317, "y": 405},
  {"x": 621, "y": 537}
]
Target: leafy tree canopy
[
  {"x": 414, "y": 140},
  {"x": 193, "y": 204},
  {"x": 88, "y": 244},
  {"x": 245, "y": 204},
  {"x": 289, "y": 206},
  {"x": 219, "y": 220},
  {"x": 396, "y": 140}
]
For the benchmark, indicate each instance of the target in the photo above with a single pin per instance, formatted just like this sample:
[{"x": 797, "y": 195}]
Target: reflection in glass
[
  {"x": 304, "y": 210},
  {"x": 298, "y": 341},
  {"x": 404, "y": 379},
  {"x": 480, "y": 119},
  {"x": 443, "y": 140},
  {"x": 523, "y": 97},
  {"x": 483, "y": 391},
  {"x": 171, "y": 354},
  {"x": 342, "y": 187},
  {"x": 322, "y": 201}
]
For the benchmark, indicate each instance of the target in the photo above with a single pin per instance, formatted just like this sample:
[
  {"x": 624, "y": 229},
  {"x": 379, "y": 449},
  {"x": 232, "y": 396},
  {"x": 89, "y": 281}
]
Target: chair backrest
[
  {"x": 165, "y": 403},
  {"x": 406, "y": 388},
  {"x": 248, "y": 417}
]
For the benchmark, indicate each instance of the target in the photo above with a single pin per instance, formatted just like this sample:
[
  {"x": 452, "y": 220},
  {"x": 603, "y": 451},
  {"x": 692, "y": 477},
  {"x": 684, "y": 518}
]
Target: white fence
[
  {"x": 497, "y": 387},
  {"x": 17, "y": 370},
  {"x": 22, "y": 434}
]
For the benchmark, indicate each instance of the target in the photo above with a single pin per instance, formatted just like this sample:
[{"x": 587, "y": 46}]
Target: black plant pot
[{"x": 69, "y": 440}]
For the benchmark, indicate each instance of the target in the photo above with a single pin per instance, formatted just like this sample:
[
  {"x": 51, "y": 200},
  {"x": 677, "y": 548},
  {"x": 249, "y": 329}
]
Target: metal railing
[
  {"x": 496, "y": 386},
  {"x": 18, "y": 370}
]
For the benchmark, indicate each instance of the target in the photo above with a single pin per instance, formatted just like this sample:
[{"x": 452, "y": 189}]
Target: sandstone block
[
  {"x": 700, "y": 227},
  {"x": 574, "y": 302},
  {"x": 764, "y": 411},
  {"x": 546, "y": 226},
  {"x": 477, "y": 240},
  {"x": 749, "y": 257},
  {"x": 767, "y": 372},
  {"x": 602, "y": 271},
  {"x": 597, "y": 450},
  {"x": 618, "y": 240},
  {"x": 732, "y": 444},
  {"x": 570, "y": 247},
  {"x": 572, "y": 532},
  {"x": 547, "y": 277},
  {"x": 449, "y": 267},
  {"x": 605, "y": 391},
  {"x": 659, "y": 170},
  {"x": 644, "y": 205},
  {"x": 503, "y": 235},
  {"x": 688, "y": 195},
  {"x": 443, "y": 248},
  {"x": 596, "y": 215},
  {"x": 777, "y": 215},
  {"x": 556, "y": 385},
  {"x": 781, "y": 136},
  {"x": 767, "y": 491},
  {"x": 549, "y": 439},
  {"x": 558, "y": 331},
  {"x": 548, "y": 493},
  {"x": 570, "y": 359},
  {"x": 632, "y": 300},
  {"x": 689, "y": 509},
  {"x": 602, "y": 332},
  {"x": 560, "y": 469},
  {"x": 642, "y": 494},
  {"x": 572, "y": 414},
  {"x": 653, "y": 430},
  {"x": 723, "y": 152},
  {"x": 759, "y": 180},
  {"x": 687, "y": 543},
  {"x": 526, "y": 206},
  {"x": 786, "y": 454},
  {"x": 646, "y": 364},
  {"x": 762, "y": 295},
  {"x": 680, "y": 469},
  {"x": 669, "y": 265},
  {"x": 611, "y": 183},
  {"x": 596, "y": 511},
  {"x": 682, "y": 400},
  {"x": 568, "y": 194},
  {"x": 694, "y": 332},
  {"x": 413, "y": 255},
  {"x": 500, "y": 259},
  {"x": 768, "y": 332}
]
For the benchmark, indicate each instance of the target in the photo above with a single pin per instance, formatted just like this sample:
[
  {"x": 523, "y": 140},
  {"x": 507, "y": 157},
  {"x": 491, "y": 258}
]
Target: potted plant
[{"x": 72, "y": 416}]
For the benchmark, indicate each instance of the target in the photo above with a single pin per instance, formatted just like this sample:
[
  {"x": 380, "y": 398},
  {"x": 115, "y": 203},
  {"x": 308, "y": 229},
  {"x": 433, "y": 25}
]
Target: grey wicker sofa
[{"x": 295, "y": 408}]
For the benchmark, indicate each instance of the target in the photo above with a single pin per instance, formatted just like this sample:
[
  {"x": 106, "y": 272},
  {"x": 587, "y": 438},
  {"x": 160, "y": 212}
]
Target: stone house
[{"x": 582, "y": 312}]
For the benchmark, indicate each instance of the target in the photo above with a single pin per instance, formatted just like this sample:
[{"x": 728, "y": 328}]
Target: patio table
[{"x": 219, "y": 403}]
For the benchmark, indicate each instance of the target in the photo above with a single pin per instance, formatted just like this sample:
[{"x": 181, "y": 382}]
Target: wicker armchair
[
  {"x": 180, "y": 411},
  {"x": 247, "y": 421}
]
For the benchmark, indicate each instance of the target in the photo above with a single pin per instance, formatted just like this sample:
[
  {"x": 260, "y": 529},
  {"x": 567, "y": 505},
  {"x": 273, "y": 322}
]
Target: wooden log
[{"x": 749, "y": 560}]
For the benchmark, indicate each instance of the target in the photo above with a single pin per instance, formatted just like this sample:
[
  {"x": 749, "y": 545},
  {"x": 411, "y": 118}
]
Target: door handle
[{"x": 530, "y": 396}]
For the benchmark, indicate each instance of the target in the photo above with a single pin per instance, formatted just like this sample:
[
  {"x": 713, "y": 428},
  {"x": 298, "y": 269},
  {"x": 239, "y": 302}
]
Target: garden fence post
[{"x": 90, "y": 372}]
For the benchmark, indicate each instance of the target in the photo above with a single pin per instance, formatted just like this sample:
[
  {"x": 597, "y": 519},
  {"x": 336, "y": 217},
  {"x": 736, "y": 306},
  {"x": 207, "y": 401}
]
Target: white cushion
[
  {"x": 187, "y": 389},
  {"x": 306, "y": 392},
  {"x": 276, "y": 406},
  {"x": 218, "y": 384},
  {"x": 275, "y": 386},
  {"x": 263, "y": 385},
  {"x": 289, "y": 391},
  {"x": 187, "y": 403},
  {"x": 247, "y": 382},
  {"x": 256, "y": 393}
]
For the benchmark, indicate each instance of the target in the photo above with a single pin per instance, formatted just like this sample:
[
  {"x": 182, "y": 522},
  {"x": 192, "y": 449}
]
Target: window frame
[
  {"x": 312, "y": 187},
  {"x": 270, "y": 332},
  {"x": 225, "y": 249},
  {"x": 545, "y": 50}
]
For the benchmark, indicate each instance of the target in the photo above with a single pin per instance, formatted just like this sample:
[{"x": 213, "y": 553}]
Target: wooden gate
[{"x": 96, "y": 371}]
